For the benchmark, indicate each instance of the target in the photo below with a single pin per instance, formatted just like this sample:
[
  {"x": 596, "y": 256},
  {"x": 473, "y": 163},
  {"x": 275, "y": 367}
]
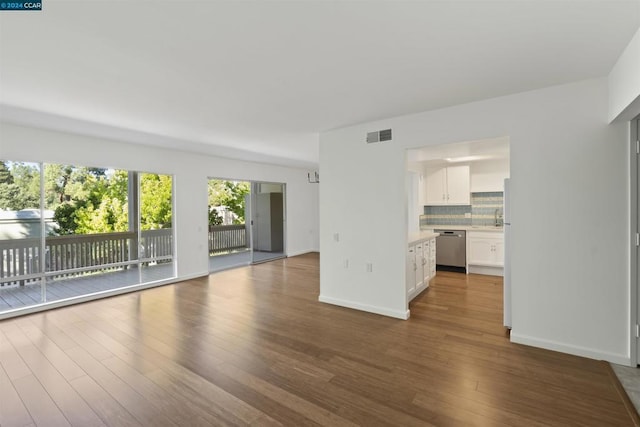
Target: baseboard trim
[
  {"x": 307, "y": 251},
  {"x": 485, "y": 270},
  {"x": 404, "y": 315},
  {"x": 191, "y": 276},
  {"x": 569, "y": 349}
]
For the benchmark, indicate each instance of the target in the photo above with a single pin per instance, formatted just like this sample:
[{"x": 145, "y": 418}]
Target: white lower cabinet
[
  {"x": 411, "y": 270},
  {"x": 432, "y": 258},
  {"x": 485, "y": 249},
  {"x": 421, "y": 266}
]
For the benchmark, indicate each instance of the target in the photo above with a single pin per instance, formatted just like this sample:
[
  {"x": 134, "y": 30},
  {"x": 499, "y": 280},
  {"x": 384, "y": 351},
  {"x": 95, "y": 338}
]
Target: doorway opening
[
  {"x": 246, "y": 222},
  {"x": 228, "y": 232},
  {"x": 461, "y": 191},
  {"x": 268, "y": 221},
  {"x": 634, "y": 173}
]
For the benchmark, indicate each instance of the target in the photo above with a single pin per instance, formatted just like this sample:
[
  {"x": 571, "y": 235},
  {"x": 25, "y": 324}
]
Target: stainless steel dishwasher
[{"x": 451, "y": 250}]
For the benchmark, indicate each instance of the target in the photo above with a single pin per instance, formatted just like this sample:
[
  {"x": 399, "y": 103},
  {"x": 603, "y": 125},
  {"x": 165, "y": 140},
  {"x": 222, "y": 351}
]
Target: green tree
[
  {"x": 155, "y": 201},
  {"x": 56, "y": 178},
  {"x": 230, "y": 194},
  {"x": 109, "y": 216},
  {"x": 214, "y": 217},
  {"x": 5, "y": 174},
  {"x": 65, "y": 216},
  {"x": 20, "y": 187},
  {"x": 94, "y": 201}
]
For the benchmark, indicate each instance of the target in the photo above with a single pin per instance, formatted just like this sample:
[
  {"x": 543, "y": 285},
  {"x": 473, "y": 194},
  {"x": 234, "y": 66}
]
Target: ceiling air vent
[{"x": 379, "y": 136}]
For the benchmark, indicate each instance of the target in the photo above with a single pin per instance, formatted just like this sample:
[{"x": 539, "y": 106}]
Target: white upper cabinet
[
  {"x": 489, "y": 176},
  {"x": 448, "y": 185},
  {"x": 422, "y": 191},
  {"x": 458, "y": 184},
  {"x": 436, "y": 183}
]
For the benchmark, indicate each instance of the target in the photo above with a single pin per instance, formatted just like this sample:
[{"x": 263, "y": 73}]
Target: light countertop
[
  {"x": 421, "y": 235},
  {"x": 464, "y": 227}
]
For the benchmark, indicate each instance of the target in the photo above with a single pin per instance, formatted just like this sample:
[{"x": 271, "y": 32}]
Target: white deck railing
[
  {"x": 223, "y": 238},
  {"x": 78, "y": 253},
  {"x": 65, "y": 255}
]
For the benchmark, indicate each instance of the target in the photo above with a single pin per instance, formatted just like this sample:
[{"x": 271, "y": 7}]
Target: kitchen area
[{"x": 458, "y": 216}]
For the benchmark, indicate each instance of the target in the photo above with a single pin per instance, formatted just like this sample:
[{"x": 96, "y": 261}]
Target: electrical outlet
[
  {"x": 345, "y": 263},
  {"x": 369, "y": 267},
  {"x": 336, "y": 237}
]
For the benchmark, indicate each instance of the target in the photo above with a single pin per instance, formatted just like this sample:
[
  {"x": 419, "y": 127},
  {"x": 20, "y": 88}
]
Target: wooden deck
[
  {"x": 253, "y": 346},
  {"x": 12, "y": 297}
]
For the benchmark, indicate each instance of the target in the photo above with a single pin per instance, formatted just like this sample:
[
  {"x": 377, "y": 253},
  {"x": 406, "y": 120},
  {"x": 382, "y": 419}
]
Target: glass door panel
[
  {"x": 268, "y": 221},
  {"x": 228, "y": 233},
  {"x": 155, "y": 250},
  {"x": 88, "y": 248},
  {"x": 21, "y": 228}
]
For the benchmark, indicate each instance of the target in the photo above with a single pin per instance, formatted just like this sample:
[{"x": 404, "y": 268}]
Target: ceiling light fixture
[{"x": 466, "y": 159}]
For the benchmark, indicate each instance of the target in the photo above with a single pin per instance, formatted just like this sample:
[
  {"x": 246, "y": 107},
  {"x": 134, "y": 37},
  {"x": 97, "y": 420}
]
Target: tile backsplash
[
  {"x": 481, "y": 211},
  {"x": 446, "y": 215}
]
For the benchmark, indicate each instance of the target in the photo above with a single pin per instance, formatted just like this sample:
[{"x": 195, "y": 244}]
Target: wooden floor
[{"x": 252, "y": 346}]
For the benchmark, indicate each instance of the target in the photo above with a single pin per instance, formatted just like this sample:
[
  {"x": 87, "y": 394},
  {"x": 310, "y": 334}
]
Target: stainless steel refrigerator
[{"x": 507, "y": 253}]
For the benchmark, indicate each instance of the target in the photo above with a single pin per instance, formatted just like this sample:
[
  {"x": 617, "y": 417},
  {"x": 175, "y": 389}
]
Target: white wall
[
  {"x": 569, "y": 173},
  {"x": 190, "y": 172},
  {"x": 624, "y": 83}
]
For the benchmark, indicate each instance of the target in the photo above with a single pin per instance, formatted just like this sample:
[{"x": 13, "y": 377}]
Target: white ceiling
[
  {"x": 260, "y": 79},
  {"x": 465, "y": 151}
]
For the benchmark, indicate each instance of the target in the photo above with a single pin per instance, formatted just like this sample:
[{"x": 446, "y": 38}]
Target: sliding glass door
[
  {"x": 268, "y": 221},
  {"x": 73, "y": 231},
  {"x": 21, "y": 231},
  {"x": 246, "y": 222},
  {"x": 228, "y": 232}
]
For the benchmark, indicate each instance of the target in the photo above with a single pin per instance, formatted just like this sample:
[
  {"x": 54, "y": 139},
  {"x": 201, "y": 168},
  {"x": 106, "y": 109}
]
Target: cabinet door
[
  {"x": 458, "y": 185},
  {"x": 426, "y": 260},
  {"x": 481, "y": 251},
  {"x": 422, "y": 191},
  {"x": 411, "y": 271},
  {"x": 432, "y": 259},
  {"x": 498, "y": 252},
  {"x": 435, "y": 185},
  {"x": 419, "y": 278}
]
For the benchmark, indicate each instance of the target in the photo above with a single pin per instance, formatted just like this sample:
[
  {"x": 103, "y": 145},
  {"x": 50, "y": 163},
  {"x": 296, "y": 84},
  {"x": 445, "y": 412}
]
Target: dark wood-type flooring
[{"x": 253, "y": 346}]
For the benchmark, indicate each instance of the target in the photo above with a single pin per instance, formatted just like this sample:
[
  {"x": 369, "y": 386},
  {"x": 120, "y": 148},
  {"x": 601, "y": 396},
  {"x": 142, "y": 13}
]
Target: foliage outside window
[
  {"x": 86, "y": 200},
  {"x": 227, "y": 196}
]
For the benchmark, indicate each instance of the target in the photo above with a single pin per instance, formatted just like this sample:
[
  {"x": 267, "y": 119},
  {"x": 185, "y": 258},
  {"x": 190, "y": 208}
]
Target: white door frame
[{"x": 634, "y": 252}]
